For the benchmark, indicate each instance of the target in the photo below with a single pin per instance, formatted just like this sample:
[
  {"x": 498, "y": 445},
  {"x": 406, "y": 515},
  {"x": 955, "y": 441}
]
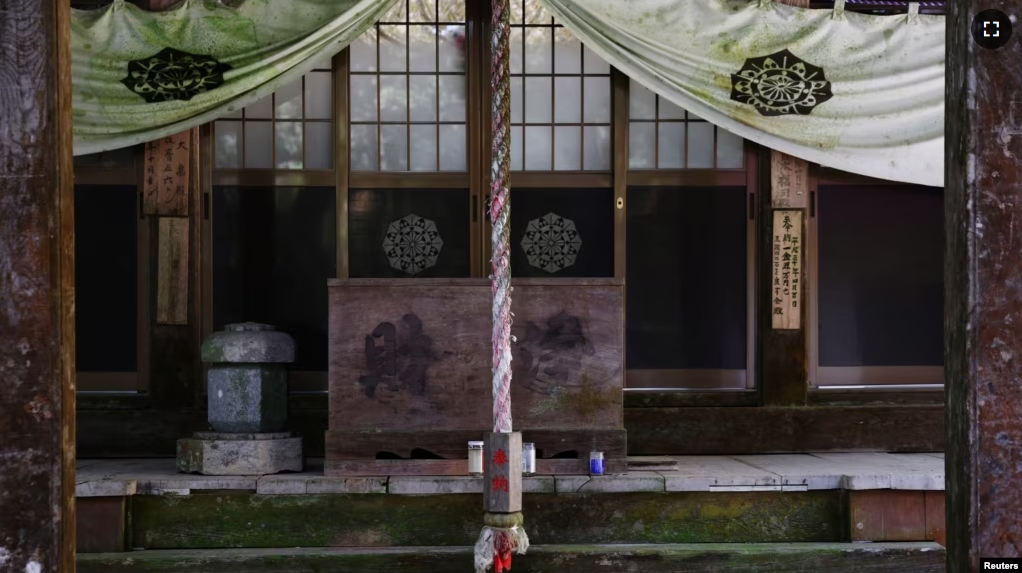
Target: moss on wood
[
  {"x": 721, "y": 558},
  {"x": 359, "y": 520}
]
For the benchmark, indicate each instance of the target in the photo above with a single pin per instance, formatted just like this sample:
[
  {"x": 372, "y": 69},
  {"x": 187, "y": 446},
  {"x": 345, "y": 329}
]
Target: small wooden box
[{"x": 410, "y": 373}]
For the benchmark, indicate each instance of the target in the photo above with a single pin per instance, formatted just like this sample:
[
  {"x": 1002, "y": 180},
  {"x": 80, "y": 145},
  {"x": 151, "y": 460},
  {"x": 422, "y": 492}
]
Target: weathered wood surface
[
  {"x": 123, "y": 432},
  {"x": 410, "y": 444},
  {"x": 136, "y": 433},
  {"x": 673, "y": 558},
  {"x": 887, "y": 515},
  {"x": 982, "y": 309},
  {"x": 167, "y": 175},
  {"x": 172, "y": 270},
  {"x": 143, "y": 430},
  {"x": 374, "y": 520},
  {"x": 408, "y": 355},
  {"x": 936, "y": 520},
  {"x": 502, "y": 466},
  {"x": 673, "y": 399},
  {"x": 100, "y": 524},
  {"x": 715, "y": 431},
  {"x": 37, "y": 401},
  {"x": 783, "y": 353},
  {"x": 789, "y": 179}
]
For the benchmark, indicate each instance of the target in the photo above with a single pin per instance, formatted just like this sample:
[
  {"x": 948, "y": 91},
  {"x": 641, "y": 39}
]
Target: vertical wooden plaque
[
  {"x": 789, "y": 181},
  {"x": 502, "y": 484},
  {"x": 787, "y": 259},
  {"x": 172, "y": 271},
  {"x": 167, "y": 172}
]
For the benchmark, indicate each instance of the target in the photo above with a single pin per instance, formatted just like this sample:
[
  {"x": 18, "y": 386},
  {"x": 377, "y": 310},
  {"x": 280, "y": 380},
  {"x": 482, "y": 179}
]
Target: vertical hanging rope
[
  {"x": 500, "y": 207},
  {"x": 503, "y": 533}
]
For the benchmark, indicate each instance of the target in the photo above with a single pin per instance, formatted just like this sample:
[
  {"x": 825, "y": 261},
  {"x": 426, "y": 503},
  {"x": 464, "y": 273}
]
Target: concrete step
[{"x": 673, "y": 558}]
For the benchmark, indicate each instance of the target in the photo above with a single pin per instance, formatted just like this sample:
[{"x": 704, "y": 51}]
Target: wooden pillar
[
  {"x": 37, "y": 400},
  {"x": 783, "y": 351},
  {"x": 172, "y": 205},
  {"x": 783, "y": 342},
  {"x": 982, "y": 291}
]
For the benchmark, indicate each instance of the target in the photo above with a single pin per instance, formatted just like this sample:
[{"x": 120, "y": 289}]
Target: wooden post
[
  {"x": 171, "y": 203},
  {"x": 502, "y": 487},
  {"x": 37, "y": 335},
  {"x": 784, "y": 344},
  {"x": 783, "y": 352},
  {"x": 982, "y": 293}
]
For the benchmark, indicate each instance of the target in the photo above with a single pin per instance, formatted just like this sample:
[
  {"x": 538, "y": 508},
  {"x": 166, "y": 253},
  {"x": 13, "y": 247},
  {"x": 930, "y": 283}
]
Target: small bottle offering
[
  {"x": 528, "y": 459},
  {"x": 596, "y": 463},
  {"x": 475, "y": 458}
]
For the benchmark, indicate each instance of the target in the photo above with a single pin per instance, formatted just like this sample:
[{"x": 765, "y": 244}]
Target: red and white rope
[{"x": 500, "y": 207}]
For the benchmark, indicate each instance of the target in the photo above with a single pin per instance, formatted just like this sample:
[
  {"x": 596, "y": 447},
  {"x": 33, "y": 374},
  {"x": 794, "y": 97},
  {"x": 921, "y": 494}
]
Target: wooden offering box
[{"x": 411, "y": 382}]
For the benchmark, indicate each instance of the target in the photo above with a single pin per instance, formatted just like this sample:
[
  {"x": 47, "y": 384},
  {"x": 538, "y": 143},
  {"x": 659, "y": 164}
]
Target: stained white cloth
[
  {"x": 855, "y": 92},
  {"x": 138, "y": 75}
]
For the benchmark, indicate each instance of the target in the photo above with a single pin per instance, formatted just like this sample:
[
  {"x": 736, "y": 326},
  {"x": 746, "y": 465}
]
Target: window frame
[
  {"x": 824, "y": 380},
  {"x": 710, "y": 381},
  {"x": 126, "y": 382}
]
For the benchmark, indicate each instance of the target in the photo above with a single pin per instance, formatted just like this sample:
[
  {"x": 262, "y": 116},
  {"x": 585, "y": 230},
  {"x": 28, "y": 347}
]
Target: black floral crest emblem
[
  {"x": 780, "y": 84},
  {"x": 174, "y": 75}
]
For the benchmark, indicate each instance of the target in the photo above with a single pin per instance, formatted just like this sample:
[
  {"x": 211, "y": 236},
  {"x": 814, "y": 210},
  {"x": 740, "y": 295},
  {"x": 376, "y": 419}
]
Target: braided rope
[{"x": 500, "y": 207}]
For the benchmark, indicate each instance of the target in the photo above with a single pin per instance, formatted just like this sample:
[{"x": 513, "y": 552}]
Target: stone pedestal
[
  {"x": 246, "y": 406},
  {"x": 223, "y": 454}
]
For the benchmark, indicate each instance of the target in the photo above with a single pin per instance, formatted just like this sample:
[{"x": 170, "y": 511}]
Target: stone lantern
[{"x": 247, "y": 405}]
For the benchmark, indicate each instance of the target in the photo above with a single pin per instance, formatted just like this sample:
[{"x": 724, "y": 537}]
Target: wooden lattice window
[
  {"x": 661, "y": 135},
  {"x": 407, "y": 90},
  {"x": 291, "y": 129},
  {"x": 560, "y": 97}
]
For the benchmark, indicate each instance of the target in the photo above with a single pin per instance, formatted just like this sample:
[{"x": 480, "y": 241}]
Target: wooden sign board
[
  {"x": 789, "y": 181},
  {"x": 786, "y": 291},
  {"x": 172, "y": 271},
  {"x": 168, "y": 175},
  {"x": 502, "y": 487}
]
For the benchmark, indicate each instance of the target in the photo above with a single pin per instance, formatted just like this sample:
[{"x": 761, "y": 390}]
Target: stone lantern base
[{"x": 223, "y": 454}]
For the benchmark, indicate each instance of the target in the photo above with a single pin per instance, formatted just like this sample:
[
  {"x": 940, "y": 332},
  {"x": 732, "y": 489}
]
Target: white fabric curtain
[
  {"x": 854, "y": 92},
  {"x": 139, "y": 75}
]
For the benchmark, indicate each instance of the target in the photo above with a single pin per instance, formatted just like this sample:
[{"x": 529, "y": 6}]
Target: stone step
[
  {"x": 674, "y": 558},
  {"x": 245, "y": 519}
]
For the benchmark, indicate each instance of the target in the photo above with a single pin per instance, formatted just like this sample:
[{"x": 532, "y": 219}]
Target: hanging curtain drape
[
  {"x": 139, "y": 75},
  {"x": 855, "y": 92}
]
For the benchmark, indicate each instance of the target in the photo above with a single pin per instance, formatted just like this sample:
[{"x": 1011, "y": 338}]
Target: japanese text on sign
[
  {"x": 789, "y": 181},
  {"x": 500, "y": 482},
  {"x": 167, "y": 168},
  {"x": 787, "y": 270}
]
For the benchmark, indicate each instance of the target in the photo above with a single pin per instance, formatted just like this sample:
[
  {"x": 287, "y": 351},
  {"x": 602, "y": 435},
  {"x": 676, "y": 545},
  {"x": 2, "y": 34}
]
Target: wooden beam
[
  {"x": 723, "y": 431},
  {"x": 111, "y": 431},
  {"x": 982, "y": 312},
  {"x": 37, "y": 334},
  {"x": 248, "y": 519}
]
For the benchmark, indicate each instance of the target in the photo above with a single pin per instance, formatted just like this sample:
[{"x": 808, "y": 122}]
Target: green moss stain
[
  {"x": 377, "y": 520},
  {"x": 580, "y": 558}
]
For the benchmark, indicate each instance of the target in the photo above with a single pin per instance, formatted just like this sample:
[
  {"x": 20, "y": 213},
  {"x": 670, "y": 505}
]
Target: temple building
[{"x": 727, "y": 253}]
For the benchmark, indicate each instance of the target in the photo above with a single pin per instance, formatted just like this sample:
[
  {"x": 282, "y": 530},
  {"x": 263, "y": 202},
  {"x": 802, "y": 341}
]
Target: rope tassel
[{"x": 502, "y": 536}]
